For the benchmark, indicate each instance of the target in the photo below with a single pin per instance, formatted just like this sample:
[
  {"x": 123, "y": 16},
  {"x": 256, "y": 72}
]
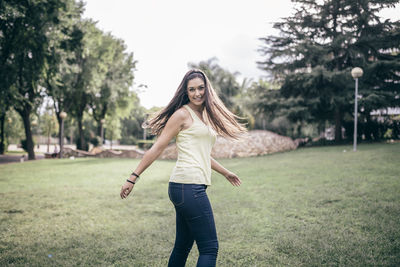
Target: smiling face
[{"x": 196, "y": 91}]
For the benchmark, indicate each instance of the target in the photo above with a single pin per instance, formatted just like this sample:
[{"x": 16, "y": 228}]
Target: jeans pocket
[
  {"x": 176, "y": 194},
  {"x": 202, "y": 201},
  {"x": 199, "y": 191}
]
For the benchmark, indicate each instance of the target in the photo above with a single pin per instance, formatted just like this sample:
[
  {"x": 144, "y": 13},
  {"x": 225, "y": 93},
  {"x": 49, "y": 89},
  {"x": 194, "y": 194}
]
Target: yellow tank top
[{"x": 194, "y": 144}]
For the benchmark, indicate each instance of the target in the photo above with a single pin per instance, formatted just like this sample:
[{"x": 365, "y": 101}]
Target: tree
[
  {"x": 320, "y": 44},
  {"x": 114, "y": 88},
  {"x": 24, "y": 43},
  {"x": 113, "y": 126},
  {"x": 88, "y": 76},
  {"x": 62, "y": 69},
  {"x": 48, "y": 124},
  {"x": 5, "y": 104},
  {"x": 131, "y": 125}
]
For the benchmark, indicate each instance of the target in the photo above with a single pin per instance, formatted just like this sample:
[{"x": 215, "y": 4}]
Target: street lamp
[
  {"x": 63, "y": 115},
  {"x": 356, "y": 73},
  {"x": 102, "y": 121}
]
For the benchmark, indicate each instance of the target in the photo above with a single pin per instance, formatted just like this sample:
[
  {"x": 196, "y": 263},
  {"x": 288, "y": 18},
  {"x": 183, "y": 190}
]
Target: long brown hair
[{"x": 219, "y": 117}]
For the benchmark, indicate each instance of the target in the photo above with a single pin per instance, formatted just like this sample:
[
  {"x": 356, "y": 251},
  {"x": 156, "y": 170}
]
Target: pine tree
[{"x": 319, "y": 45}]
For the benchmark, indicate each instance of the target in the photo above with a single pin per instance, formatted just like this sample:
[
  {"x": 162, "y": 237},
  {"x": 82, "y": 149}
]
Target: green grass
[{"x": 310, "y": 207}]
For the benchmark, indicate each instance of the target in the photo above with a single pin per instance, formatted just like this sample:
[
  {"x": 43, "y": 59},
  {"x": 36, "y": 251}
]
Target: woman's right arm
[{"x": 171, "y": 129}]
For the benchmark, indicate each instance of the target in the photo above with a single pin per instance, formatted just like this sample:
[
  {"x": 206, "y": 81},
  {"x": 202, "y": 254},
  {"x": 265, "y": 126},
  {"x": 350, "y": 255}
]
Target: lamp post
[
  {"x": 63, "y": 115},
  {"x": 356, "y": 73},
  {"x": 102, "y": 121}
]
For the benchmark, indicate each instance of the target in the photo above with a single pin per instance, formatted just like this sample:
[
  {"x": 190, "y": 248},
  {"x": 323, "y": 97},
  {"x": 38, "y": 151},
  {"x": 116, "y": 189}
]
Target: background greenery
[
  {"x": 310, "y": 207},
  {"x": 54, "y": 60}
]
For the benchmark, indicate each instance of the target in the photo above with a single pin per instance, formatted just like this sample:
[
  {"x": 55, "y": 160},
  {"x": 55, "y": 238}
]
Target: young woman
[{"x": 194, "y": 116}]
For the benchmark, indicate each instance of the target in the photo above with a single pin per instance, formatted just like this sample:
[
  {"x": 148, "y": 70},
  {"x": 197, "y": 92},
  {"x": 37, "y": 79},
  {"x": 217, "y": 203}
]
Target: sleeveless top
[{"x": 194, "y": 144}]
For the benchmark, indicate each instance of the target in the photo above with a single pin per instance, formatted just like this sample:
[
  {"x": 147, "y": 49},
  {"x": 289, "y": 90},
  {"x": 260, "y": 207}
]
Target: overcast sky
[{"x": 165, "y": 35}]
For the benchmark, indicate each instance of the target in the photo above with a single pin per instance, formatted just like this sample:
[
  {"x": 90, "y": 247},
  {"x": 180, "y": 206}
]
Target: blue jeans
[{"x": 194, "y": 221}]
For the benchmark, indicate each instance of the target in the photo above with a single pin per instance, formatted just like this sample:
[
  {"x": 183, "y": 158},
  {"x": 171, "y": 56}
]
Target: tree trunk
[
  {"x": 299, "y": 128},
  {"x": 338, "y": 125},
  {"x": 81, "y": 136},
  {"x": 59, "y": 130},
  {"x": 111, "y": 141},
  {"x": 2, "y": 120},
  {"x": 48, "y": 141},
  {"x": 28, "y": 133},
  {"x": 368, "y": 127}
]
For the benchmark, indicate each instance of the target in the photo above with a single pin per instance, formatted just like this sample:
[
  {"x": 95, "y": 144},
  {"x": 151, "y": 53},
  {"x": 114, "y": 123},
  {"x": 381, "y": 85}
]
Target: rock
[
  {"x": 254, "y": 143},
  {"x": 103, "y": 153}
]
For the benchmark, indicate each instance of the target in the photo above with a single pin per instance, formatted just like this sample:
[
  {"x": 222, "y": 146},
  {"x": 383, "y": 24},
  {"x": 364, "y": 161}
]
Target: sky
[{"x": 166, "y": 35}]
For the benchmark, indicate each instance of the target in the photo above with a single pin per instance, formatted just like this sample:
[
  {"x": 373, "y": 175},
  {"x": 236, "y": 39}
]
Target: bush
[
  {"x": 325, "y": 142},
  {"x": 96, "y": 141},
  {"x": 128, "y": 140},
  {"x": 145, "y": 144},
  {"x": 78, "y": 145}
]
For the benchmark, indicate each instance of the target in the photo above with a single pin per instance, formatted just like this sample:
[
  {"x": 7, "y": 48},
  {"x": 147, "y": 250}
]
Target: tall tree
[
  {"x": 131, "y": 126},
  {"x": 114, "y": 88},
  {"x": 24, "y": 43},
  {"x": 65, "y": 53},
  {"x": 320, "y": 44},
  {"x": 90, "y": 72}
]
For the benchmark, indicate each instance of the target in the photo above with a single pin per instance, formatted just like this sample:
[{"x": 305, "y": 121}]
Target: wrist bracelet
[
  {"x": 133, "y": 173},
  {"x": 129, "y": 181}
]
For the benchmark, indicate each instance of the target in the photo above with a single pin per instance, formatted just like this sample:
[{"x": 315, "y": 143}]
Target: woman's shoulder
[{"x": 181, "y": 113}]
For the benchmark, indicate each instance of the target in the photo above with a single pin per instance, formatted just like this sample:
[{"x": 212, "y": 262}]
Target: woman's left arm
[{"x": 230, "y": 176}]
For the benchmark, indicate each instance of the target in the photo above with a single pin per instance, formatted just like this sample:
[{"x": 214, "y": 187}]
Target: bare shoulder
[
  {"x": 182, "y": 117},
  {"x": 181, "y": 114}
]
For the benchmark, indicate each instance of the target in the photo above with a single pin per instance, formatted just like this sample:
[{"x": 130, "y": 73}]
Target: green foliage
[
  {"x": 114, "y": 90},
  {"x": 95, "y": 141},
  {"x": 48, "y": 125},
  {"x": 25, "y": 42},
  {"x": 131, "y": 126},
  {"x": 316, "y": 50},
  {"x": 47, "y": 48},
  {"x": 145, "y": 144},
  {"x": 127, "y": 140},
  {"x": 113, "y": 128},
  {"x": 14, "y": 128}
]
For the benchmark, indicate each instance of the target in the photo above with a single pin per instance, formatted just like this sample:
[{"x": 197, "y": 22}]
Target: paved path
[{"x": 15, "y": 158}]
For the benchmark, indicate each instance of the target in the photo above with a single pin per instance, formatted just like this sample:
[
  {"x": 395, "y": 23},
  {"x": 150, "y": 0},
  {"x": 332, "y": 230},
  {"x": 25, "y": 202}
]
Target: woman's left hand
[{"x": 233, "y": 179}]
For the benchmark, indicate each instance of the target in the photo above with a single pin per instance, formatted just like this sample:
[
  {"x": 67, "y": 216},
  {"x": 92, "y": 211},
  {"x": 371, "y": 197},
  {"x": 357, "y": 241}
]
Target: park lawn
[{"x": 309, "y": 207}]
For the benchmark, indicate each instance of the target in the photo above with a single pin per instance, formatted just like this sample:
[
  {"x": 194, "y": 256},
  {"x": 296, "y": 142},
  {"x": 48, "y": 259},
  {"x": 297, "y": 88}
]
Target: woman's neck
[{"x": 196, "y": 108}]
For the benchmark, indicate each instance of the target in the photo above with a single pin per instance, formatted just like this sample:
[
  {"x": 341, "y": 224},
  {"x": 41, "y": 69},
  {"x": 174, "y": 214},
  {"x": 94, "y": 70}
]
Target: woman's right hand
[{"x": 126, "y": 189}]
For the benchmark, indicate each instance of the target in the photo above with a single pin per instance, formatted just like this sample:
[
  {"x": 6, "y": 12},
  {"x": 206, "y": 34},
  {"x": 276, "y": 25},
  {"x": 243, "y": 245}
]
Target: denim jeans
[{"x": 194, "y": 222}]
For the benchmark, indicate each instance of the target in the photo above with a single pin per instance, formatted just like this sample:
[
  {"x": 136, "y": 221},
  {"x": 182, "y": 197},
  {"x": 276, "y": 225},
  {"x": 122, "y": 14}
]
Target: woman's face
[{"x": 196, "y": 91}]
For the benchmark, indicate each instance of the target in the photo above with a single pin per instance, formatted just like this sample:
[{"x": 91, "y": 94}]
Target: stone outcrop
[
  {"x": 103, "y": 153},
  {"x": 254, "y": 143}
]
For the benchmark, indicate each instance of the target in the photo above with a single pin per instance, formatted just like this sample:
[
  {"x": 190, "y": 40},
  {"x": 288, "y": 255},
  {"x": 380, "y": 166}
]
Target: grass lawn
[{"x": 310, "y": 207}]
